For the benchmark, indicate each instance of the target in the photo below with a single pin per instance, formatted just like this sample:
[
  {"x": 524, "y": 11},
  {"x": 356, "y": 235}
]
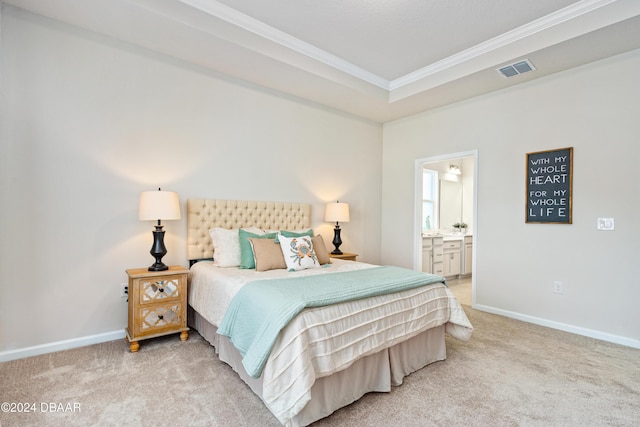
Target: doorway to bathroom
[{"x": 446, "y": 210}]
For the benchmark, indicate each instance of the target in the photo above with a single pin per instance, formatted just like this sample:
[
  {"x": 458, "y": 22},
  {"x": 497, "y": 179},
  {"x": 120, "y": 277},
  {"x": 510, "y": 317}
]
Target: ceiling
[{"x": 377, "y": 59}]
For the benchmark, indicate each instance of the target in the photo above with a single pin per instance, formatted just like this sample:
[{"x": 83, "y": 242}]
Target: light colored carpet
[{"x": 509, "y": 374}]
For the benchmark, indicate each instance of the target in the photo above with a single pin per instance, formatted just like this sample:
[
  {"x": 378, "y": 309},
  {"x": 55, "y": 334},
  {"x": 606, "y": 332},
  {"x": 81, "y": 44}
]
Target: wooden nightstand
[
  {"x": 345, "y": 255},
  {"x": 157, "y": 304}
]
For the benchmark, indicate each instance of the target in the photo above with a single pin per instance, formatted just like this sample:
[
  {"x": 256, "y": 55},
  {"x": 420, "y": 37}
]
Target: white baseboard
[
  {"x": 20, "y": 353},
  {"x": 36, "y": 350},
  {"x": 616, "y": 339}
]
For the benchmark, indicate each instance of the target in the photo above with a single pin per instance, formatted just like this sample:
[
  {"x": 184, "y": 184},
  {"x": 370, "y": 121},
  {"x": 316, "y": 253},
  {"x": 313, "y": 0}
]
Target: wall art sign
[{"x": 549, "y": 186}]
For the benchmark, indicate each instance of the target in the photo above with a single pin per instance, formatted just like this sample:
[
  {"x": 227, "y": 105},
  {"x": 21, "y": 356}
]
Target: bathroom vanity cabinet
[
  {"x": 450, "y": 256},
  {"x": 467, "y": 258},
  {"x": 432, "y": 255}
]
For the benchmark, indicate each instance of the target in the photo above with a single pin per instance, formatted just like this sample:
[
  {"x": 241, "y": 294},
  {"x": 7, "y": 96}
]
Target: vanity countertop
[{"x": 450, "y": 237}]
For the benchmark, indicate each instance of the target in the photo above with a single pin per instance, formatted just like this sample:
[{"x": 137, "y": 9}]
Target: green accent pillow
[
  {"x": 290, "y": 234},
  {"x": 247, "y": 259}
]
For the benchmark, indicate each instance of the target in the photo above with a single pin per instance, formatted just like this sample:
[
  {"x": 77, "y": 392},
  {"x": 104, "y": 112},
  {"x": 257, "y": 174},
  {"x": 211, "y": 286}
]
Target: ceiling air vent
[{"x": 516, "y": 68}]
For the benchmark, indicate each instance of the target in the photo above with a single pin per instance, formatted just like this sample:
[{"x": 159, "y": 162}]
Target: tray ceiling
[{"x": 377, "y": 59}]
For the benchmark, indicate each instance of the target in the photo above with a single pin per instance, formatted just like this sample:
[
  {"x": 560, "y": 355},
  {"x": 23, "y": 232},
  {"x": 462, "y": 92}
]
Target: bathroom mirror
[{"x": 450, "y": 203}]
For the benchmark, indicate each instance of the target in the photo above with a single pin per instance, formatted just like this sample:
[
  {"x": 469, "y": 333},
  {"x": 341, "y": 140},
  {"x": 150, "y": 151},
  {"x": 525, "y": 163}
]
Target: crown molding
[
  {"x": 270, "y": 33},
  {"x": 234, "y": 17},
  {"x": 546, "y": 22},
  {"x": 212, "y": 36}
]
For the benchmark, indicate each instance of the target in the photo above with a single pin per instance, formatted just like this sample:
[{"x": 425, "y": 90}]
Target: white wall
[
  {"x": 88, "y": 123},
  {"x": 594, "y": 109}
]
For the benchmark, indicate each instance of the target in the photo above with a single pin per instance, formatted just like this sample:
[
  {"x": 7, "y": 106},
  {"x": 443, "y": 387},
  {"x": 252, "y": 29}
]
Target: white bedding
[
  {"x": 211, "y": 288},
  {"x": 322, "y": 341}
]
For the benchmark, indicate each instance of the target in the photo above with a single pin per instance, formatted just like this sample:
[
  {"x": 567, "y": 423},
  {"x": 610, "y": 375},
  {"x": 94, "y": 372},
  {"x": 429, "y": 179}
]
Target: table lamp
[
  {"x": 158, "y": 205},
  {"x": 337, "y": 212}
]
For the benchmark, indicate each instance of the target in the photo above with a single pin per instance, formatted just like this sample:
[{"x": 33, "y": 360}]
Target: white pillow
[
  {"x": 226, "y": 245},
  {"x": 298, "y": 252}
]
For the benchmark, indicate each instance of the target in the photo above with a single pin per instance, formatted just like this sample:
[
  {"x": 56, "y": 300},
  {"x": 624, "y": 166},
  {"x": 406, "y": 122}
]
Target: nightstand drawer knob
[
  {"x": 161, "y": 289},
  {"x": 160, "y": 316}
]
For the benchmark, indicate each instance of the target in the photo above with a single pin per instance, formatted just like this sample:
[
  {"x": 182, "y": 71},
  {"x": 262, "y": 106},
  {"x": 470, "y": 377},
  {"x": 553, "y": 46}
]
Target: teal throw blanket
[{"x": 262, "y": 308}]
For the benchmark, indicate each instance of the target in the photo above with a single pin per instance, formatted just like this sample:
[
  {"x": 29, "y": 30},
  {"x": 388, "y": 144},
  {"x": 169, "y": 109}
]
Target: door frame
[{"x": 417, "y": 223}]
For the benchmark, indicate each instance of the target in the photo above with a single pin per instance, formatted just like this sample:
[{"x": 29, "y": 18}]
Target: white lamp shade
[
  {"x": 159, "y": 204},
  {"x": 337, "y": 212}
]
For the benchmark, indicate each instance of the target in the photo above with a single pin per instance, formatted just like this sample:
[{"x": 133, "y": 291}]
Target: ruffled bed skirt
[{"x": 373, "y": 373}]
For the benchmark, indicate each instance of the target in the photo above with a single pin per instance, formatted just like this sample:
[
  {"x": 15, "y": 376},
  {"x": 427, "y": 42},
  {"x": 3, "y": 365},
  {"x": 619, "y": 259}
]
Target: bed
[{"x": 327, "y": 356}]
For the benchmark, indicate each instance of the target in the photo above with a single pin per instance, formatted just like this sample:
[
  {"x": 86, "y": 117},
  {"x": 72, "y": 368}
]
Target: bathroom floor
[{"x": 461, "y": 289}]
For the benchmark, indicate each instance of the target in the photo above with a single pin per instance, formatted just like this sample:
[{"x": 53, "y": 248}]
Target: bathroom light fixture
[
  {"x": 158, "y": 205},
  {"x": 337, "y": 212},
  {"x": 454, "y": 169}
]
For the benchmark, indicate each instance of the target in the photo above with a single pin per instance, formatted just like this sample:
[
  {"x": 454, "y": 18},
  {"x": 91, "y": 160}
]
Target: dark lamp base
[
  {"x": 158, "y": 250},
  {"x": 337, "y": 241},
  {"x": 158, "y": 267}
]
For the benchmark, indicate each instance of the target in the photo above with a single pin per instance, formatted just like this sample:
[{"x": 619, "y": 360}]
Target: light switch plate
[{"x": 606, "y": 224}]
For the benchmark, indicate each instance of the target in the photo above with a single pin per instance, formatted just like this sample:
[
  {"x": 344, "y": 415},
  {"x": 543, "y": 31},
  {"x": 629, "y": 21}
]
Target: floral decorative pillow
[{"x": 298, "y": 252}]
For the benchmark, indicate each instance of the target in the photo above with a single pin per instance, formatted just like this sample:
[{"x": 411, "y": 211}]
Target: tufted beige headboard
[{"x": 203, "y": 214}]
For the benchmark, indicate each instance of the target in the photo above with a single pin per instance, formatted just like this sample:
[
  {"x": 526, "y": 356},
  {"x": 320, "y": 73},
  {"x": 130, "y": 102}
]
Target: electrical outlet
[
  {"x": 607, "y": 224},
  {"x": 558, "y": 287},
  {"x": 124, "y": 290}
]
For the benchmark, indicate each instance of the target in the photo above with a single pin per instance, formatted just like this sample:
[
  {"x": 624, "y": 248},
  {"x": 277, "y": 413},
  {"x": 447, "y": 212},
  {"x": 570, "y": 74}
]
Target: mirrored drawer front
[
  {"x": 158, "y": 289},
  {"x": 160, "y": 317}
]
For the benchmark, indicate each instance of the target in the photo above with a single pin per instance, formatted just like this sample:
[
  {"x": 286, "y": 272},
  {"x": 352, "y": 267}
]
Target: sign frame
[{"x": 549, "y": 187}]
